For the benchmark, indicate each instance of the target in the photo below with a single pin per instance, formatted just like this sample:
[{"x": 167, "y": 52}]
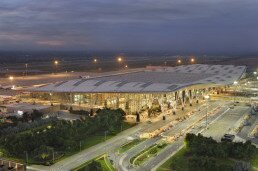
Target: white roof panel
[{"x": 162, "y": 79}]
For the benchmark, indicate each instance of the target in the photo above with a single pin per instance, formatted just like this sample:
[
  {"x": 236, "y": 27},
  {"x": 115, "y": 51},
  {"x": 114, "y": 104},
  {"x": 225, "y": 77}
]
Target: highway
[
  {"x": 110, "y": 147},
  {"x": 90, "y": 153},
  {"x": 226, "y": 122},
  {"x": 124, "y": 160},
  {"x": 220, "y": 122}
]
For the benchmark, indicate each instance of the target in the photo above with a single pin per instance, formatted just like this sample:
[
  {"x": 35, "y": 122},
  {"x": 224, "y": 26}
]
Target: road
[
  {"x": 218, "y": 126},
  {"x": 153, "y": 163},
  {"x": 226, "y": 122},
  {"x": 220, "y": 123},
  {"x": 90, "y": 153},
  {"x": 245, "y": 132},
  {"x": 110, "y": 147},
  {"x": 124, "y": 160},
  {"x": 39, "y": 79}
]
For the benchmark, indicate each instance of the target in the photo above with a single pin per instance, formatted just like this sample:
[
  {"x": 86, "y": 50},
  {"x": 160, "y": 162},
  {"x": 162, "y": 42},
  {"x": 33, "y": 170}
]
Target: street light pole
[
  {"x": 105, "y": 135},
  {"x": 26, "y": 69},
  {"x": 207, "y": 98},
  {"x": 53, "y": 155},
  {"x": 120, "y": 61},
  {"x": 121, "y": 126},
  {"x": 56, "y": 63},
  {"x": 206, "y": 113},
  {"x": 27, "y": 157},
  {"x": 235, "y": 83}
]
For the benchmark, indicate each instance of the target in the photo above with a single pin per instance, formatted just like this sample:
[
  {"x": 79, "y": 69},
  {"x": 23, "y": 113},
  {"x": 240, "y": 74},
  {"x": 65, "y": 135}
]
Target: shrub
[
  {"x": 204, "y": 146},
  {"x": 153, "y": 151}
]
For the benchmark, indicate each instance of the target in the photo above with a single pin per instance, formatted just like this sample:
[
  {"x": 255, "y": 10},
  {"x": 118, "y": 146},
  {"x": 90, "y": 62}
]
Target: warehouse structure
[{"x": 152, "y": 88}]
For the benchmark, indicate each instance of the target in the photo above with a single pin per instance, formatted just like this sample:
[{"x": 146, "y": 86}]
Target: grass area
[
  {"x": 254, "y": 161},
  {"x": 147, "y": 153},
  {"x": 129, "y": 145},
  {"x": 103, "y": 160},
  {"x": 178, "y": 160},
  {"x": 139, "y": 154},
  {"x": 105, "y": 164},
  {"x": 89, "y": 142},
  {"x": 85, "y": 144},
  {"x": 96, "y": 139}
]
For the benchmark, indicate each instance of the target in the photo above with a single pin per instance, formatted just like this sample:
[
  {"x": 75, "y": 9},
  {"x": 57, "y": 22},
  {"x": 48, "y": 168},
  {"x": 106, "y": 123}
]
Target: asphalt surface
[
  {"x": 211, "y": 131},
  {"x": 90, "y": 153},
  {"x": 110, "y": 147},
  {"x": 39, "y": 79},
  {"x": 226, "y": 123},
  {"x": 124, "y": 161},
  {"x": 171, "y": 149},
  {"x": 245, "y": 132},
  {"x": 219, "y": 123}
]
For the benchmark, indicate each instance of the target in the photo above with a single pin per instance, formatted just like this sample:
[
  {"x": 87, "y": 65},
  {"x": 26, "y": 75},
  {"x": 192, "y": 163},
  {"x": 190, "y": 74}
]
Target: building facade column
[
  {"x": 190, "y": 97},
  {"x": 183, "y": 99}
]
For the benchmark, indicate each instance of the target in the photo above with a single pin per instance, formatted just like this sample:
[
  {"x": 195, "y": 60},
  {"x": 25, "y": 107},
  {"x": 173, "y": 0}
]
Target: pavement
[
  {"x": 88, "y": 154},
  {"x": 226, "y": 123},
  {"x": 110, "y": 147},
  {"x": 246, "y": 130},
  {"x": 39, "y": 79},
  {"x": 219, "y": 123},
  {"x": 216, "y": 129},
  {"x": 124, "y": 159}
]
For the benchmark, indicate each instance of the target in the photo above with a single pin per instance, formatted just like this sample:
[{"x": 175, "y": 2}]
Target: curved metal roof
[{"x": 154, "y": 79}]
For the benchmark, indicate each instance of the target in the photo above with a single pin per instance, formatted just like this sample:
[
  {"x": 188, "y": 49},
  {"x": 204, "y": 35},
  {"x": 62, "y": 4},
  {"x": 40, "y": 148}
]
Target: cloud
[
  {"x": 51, "y": 42},
  {"x": 130, "y": 24}
]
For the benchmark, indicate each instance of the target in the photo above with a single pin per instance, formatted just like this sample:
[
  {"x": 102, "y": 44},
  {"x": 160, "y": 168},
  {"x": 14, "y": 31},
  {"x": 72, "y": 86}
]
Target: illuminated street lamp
[
  {"x": 119, "y": 59},
  {"x": 192, "y": 60},
  {"x": 56, "y": 63},
  {"x": 255, "y": 73},
  {"x": 11, "y": 78},
  {"x": 179, "y": 61},
  {"x": 26, "y": 69},
  {"x": 95, "y": 62},
  {"x": 126, "y": 66}
]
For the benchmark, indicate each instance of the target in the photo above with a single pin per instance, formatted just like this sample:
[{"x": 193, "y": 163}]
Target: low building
[
  {"x": 151, "y": 89},
  {"x": 18, "y": 109}
]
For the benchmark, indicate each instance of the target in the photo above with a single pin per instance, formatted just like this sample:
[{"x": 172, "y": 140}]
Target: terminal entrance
[{"x": 131, "y": 103}]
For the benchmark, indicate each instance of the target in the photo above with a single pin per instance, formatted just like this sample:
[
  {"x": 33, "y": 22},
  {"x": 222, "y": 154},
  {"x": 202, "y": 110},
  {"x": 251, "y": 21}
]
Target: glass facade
[{"x": 129, "y": 102}]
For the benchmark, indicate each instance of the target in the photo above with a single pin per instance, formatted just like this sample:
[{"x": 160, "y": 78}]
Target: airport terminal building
[{"x": 153, "y": 87}]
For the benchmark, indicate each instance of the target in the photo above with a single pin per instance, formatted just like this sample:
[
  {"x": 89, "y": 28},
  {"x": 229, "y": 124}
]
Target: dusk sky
[{"x": 222, "y": 26}]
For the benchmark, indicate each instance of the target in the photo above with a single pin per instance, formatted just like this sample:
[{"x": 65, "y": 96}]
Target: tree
[
  {"x": 137, "y": 117},
  {"x": 96, "y": 166},
  {"x": 43, "y": 152},
  {"x": 61, "y": 136}
]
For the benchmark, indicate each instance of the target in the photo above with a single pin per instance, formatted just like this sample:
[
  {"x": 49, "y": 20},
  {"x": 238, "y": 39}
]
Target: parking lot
[{"x": 226, "y": 122}]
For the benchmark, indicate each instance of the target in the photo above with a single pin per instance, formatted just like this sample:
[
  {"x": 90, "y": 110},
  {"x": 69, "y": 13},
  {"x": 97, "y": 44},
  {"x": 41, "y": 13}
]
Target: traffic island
[
  {"x": 127, "y": 146},
  {"x": 98, "y": 163},
  {"x": 146, "y": 154}
]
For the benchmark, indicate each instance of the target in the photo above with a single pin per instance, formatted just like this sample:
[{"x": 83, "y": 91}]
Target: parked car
[{"x": 228, "y": 138}]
